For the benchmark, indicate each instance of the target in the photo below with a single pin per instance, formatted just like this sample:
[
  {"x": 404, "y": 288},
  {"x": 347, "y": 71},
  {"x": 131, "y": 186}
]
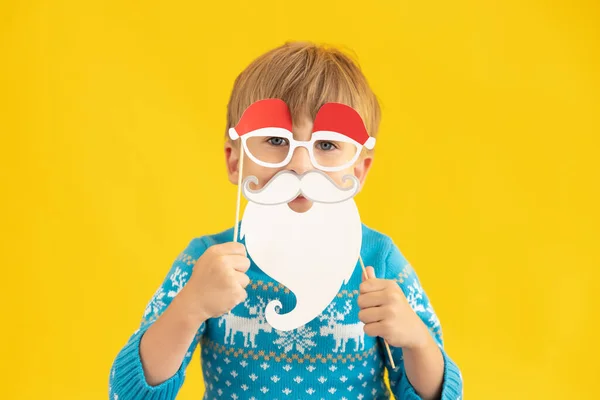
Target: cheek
[{"x": 263, "y": 174}]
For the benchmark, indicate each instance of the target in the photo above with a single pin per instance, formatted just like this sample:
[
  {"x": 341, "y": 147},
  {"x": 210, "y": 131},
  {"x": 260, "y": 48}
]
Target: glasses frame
[{"x": 307, "y": 144}]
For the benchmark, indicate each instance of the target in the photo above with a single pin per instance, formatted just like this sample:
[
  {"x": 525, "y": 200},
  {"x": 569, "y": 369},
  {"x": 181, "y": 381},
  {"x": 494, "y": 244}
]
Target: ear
[
  {"x": 361, "y": 168},
  {"x": 232, "y": 159}
]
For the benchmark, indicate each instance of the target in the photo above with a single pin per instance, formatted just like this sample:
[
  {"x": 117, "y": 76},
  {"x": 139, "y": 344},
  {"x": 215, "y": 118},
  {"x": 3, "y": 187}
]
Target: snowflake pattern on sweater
[{"x": 330, "y": 357}]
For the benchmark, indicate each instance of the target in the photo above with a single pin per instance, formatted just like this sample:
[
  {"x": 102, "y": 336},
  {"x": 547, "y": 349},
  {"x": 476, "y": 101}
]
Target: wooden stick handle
[
  {"x": 239, "y": 196},
  {"x": 239, "y": 193}
]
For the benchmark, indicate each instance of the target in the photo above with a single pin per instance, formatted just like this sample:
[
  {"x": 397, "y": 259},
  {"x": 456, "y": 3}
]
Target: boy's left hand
[{"x": 386, "y": 313}]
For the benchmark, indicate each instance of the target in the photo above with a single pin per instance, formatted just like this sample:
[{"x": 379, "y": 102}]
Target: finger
[
  {"x": 370, "y": 315},
  {"x": 372, "y": 285},
  {"x": 235, "y": 262},
  {"x": 373, "y": 299},
  {"x": 242, "y": 295},
  {"x": 370, "y": 273},
  {"x": 375, "y": 329},
  {"x": 243, "y": 279},
  {"x": 230, "y": 248},
  {"x": 239, "y": 263}
]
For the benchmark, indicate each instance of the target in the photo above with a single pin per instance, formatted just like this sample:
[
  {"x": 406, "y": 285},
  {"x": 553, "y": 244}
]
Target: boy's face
[{"x": 299, "y": 163}]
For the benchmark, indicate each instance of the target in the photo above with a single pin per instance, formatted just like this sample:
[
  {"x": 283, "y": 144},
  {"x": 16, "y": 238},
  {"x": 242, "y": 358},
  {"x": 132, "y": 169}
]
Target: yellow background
[{"x": 112, "y": 117}]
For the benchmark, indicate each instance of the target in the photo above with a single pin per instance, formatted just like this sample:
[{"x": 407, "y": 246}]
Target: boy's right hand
[{"x": 218, "y": 281}]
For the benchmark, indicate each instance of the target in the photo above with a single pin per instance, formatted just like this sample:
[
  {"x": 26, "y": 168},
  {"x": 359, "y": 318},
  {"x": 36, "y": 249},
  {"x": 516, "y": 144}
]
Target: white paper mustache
[{"x": 314, "y": 185}]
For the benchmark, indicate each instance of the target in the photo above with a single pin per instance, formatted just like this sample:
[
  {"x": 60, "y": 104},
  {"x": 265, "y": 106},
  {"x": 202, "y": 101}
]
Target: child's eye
[
  {"x": 277, "y": 141},
  {"x": 326, "y": 146}
]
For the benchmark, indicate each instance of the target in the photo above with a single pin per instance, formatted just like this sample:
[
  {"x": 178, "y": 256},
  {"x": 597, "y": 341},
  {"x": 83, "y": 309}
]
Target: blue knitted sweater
[{"x": 329, "y": 358}]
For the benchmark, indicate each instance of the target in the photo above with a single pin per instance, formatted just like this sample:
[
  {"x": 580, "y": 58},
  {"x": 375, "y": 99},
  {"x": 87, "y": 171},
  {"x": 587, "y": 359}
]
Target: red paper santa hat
[
  {"x": 340, "y": 118},
  {"x": 268, "y": 113}
]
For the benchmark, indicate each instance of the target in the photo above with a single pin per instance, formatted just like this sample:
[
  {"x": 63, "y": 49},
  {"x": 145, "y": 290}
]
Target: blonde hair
[{"x": 305, "y": 76}]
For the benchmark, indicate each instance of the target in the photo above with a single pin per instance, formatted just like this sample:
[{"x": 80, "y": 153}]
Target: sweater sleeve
[
  {"x": 400, "y": 270},
  {"x": 127, "y": 380}
]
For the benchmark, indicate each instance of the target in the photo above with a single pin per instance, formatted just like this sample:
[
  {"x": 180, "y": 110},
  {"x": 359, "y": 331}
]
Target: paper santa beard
[{"x": 315, "y": 252}]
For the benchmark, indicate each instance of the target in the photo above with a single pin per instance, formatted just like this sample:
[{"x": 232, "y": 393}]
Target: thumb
[{"x": 370, "y": 273}]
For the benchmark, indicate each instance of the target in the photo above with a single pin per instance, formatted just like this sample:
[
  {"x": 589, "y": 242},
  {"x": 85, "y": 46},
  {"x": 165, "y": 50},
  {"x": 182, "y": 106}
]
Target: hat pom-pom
[{"x": 370, "y": 143}]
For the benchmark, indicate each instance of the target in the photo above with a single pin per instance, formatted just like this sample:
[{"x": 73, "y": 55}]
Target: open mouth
[
  {"x": 300, "y": 204},
  {"x": 299, "y": 199}
]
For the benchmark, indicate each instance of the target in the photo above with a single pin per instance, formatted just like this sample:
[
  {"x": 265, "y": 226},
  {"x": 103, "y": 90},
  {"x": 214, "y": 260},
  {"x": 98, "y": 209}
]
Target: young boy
[{"x": 215, "y": 296}]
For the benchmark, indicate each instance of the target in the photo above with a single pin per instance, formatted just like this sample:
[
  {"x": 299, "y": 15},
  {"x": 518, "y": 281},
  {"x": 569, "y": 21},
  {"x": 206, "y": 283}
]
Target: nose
[{"x": 300, "y": 162}]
